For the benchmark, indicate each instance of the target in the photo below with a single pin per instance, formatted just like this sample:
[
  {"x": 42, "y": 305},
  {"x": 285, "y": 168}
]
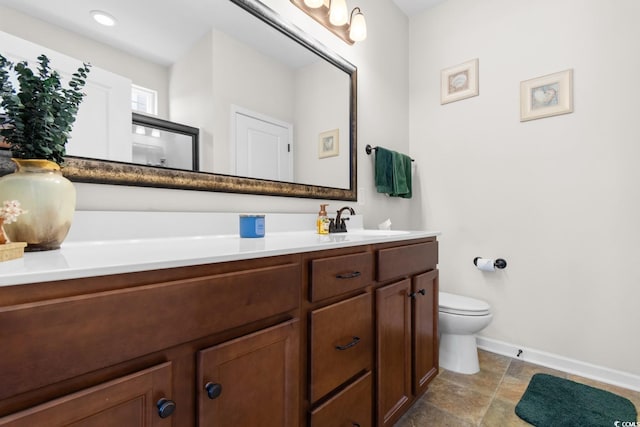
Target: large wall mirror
[{"x": 273, "y": 109}]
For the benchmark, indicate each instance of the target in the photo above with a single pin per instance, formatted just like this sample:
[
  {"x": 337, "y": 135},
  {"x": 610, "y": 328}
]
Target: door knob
[
  {"x": 214, "y": 390},
  {"x": 165, "y": 407}
]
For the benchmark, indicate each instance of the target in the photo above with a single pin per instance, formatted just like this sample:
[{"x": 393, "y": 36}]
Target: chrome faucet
[{"x": 338, "y": 225}]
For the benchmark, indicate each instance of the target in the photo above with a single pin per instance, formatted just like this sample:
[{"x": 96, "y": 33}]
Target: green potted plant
[{"x": 36, "y": 121}]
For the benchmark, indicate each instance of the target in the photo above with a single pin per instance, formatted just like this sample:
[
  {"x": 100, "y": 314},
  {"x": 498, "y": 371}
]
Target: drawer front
[
  {"x": 341, "y": 343},
  {"x": 337, "y": 275},
  {"x": 114, "y": 326},
  {"x": 350, "y": 407},
  {"x": 407, "y": 260}
]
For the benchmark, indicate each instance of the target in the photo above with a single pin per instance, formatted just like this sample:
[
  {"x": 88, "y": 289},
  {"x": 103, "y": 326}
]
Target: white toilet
[{"x": 460, "y": 318}]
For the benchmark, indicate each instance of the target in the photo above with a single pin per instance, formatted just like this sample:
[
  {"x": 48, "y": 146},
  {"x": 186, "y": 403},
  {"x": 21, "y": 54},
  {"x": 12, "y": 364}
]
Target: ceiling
[
  {"x": 169, "y": 26},
  {"x": 411, "y": 7}
]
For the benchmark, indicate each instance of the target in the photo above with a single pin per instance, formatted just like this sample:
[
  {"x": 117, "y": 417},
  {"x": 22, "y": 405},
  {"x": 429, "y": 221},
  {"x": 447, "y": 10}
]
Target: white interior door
[{"x": 263, "y": 147}]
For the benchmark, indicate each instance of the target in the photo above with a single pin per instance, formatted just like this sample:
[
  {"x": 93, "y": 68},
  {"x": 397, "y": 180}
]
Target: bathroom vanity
[{"x": 294, "y": 329}]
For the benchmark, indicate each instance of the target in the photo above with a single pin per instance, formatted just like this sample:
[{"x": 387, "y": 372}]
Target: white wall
[
  {"x": 141, "y": 72},
  {"x": 327, "y": 89},
  {"x": 191, "y": 91},
  {"x": 556, "y": 197}
]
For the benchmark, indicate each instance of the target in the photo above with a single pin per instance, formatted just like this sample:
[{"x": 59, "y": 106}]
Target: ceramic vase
[{"x": 48, "y": 198}]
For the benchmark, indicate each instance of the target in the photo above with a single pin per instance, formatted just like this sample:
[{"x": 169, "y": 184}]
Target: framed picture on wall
[
  {"x": 459, "y": 82},
  {"x": 329, "y": 144},
  {"x": 546, "y": 96}
]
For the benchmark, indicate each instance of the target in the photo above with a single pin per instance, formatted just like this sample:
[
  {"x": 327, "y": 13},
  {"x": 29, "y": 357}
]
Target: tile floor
[{"x": 487, "y": 398}]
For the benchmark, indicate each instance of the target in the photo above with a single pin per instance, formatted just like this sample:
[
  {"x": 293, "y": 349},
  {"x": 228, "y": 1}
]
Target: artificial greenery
[{"x": 39, "y": 115}]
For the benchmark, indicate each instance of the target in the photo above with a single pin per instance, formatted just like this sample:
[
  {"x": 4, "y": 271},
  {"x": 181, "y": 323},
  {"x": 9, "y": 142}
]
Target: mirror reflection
[{"x": 263, "y": 105}]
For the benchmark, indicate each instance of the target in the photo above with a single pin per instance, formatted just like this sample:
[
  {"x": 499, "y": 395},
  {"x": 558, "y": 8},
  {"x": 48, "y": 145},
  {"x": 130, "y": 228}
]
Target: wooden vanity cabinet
[
  {"x": 105, "y": 351},
  {"x": 406, "y": 326},
  {"x": 342, "y": 337}
]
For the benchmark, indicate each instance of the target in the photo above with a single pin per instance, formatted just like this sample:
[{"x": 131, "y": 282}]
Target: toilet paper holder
[{"x": 498, "y": 263}]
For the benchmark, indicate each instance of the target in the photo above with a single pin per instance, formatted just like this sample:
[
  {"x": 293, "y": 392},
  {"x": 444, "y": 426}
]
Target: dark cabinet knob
[
  {"x": 165, "y": 407},
  {"x": 412, "y": 295},
  {"x": 213, "y": 390},
  {"x": 422, "y": 291}
]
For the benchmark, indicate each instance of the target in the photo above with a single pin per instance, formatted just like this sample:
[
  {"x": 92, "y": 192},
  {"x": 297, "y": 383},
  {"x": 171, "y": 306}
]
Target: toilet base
[{"x": 459, "y": 353}]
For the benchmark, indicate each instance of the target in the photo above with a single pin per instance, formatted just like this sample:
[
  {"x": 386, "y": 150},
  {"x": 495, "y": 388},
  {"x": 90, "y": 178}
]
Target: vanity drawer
[
  {"x": 407, "y": 260},
  {"x": 337, "y": 275},
  {"x": 350, "y": 407},
  {"x": 341, "y": 343}
]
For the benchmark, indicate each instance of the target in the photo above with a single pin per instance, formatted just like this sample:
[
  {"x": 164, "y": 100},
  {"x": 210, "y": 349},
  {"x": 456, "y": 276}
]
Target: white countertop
[{"x": 76, "y": 259}]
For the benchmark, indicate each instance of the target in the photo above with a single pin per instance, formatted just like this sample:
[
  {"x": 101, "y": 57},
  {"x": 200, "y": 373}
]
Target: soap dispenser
[{"x": 323, "y": 220}]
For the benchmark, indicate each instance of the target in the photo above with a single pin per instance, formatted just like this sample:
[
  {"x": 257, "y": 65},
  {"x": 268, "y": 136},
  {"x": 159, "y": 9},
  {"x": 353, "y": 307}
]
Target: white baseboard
[{"x": 561, "y": 363}]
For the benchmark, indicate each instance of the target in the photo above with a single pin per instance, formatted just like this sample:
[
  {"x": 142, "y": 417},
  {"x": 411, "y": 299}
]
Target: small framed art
[
  {"x": 546, "y": 96},
  {"x": 459, "y": 82},
  {"x": 329, "y": 144}
]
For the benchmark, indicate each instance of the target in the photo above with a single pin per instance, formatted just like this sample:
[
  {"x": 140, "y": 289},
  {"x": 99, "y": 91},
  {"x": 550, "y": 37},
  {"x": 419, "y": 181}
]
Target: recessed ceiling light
[{"x": 103, "y": 18}]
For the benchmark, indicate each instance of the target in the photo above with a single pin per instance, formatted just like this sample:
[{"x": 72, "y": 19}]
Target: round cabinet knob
[
  {"x": 213, "y": 390},
  {"x": 165, "y": 407}
]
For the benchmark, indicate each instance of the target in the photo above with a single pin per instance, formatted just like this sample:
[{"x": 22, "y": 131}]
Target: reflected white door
[{"x": 264, "y": 147}]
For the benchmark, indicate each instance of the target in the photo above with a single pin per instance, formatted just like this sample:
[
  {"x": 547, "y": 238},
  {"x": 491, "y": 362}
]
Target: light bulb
[
  {"x": 358, "y": 28},
  {"x": 314, "y": 3},
  {"x": 103, "y": 18},
  {"x": 338, "y": 14}
]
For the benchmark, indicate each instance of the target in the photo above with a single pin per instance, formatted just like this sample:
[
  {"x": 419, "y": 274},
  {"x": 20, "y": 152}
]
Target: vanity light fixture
[
  {"x": 103, "y": 18},
  {"x": 334, "y": 15}
]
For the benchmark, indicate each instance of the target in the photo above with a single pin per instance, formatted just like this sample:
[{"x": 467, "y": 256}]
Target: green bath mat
[{"x": 551, "y": 401}]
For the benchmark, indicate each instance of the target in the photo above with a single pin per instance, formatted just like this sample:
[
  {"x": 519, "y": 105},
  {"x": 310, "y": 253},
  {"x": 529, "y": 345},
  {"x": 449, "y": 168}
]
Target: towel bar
[{"x": 368, "y": 149}]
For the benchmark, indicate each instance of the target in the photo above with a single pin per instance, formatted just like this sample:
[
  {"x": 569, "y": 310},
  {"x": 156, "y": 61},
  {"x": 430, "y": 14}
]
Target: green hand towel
[
  {"x": 384, "y": 170},
  {"x": 393, "y": 173},
  {"x": 401, "y": 176}
]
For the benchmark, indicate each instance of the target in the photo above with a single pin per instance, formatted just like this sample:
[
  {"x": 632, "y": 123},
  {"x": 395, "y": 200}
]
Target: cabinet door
[
  {"x": 251, "y": 381},
  {"x": 425, "y": 330},
  {"x": 137, "y": 400},
  {"x": 393, "y": 309}
]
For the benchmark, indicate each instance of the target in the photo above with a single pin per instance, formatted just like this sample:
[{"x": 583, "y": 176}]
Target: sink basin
[{"x": 373, "y": 232}]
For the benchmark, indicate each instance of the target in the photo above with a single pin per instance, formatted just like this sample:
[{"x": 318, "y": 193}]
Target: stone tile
[
  {"x": 524, "y": 371},
  {"x": 485, "y": 381},
  {"x": 492, "y": 368},
  {"x": 502, "y": 414},
  {"x": 487, "y": 398},
  {"x": 423, "y": 414},
  {"x": 457, "y": 400},
  {"x": 511, "y": 389},
  {"x": 493, "y": 362}
]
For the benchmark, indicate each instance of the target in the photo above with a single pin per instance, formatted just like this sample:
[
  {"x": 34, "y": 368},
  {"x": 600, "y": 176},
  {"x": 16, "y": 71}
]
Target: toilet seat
[{"x": 462, "y": 306}]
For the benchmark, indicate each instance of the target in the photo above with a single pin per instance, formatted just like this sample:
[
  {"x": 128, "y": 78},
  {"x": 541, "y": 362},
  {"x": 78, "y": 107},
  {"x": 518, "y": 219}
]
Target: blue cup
[{"x": 252, "y": 226}]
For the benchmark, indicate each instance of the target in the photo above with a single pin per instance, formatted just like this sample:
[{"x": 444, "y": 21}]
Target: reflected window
[{"x": 144, "y": 100}]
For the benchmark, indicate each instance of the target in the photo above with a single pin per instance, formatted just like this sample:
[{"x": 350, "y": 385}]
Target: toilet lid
[{"x": 458, "y": 304}]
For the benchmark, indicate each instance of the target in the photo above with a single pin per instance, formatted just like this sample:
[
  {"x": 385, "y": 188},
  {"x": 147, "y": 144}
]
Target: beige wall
[{"x": 556, "y": 197}]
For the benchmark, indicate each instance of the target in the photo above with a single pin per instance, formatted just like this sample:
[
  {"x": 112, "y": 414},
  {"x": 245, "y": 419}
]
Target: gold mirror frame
[{"x": 95, "y": 171}]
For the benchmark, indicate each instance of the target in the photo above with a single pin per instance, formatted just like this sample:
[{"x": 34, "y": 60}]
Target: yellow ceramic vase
[{"x": 48, "y": 198}]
